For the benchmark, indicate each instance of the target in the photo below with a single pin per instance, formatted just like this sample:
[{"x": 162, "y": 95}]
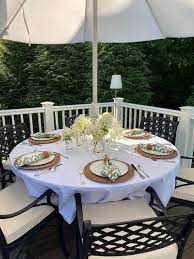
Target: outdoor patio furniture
[
  {"x": 162, "y": 127},
  {"x": 70, "y": 120},
  {"x": 184, "y": 189},
  {"x": 129, "y": 229},
  {"x": 10, "y": 136},
  {"x": 22, "y": 217}
]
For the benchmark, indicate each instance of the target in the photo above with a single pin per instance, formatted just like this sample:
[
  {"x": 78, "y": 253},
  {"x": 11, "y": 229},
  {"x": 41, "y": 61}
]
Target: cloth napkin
[
  {"x": 111, "y": 171},
  {"x": 157, "y": 148},
  {"x": 27, "y": 161},
  {"x": 40, "y": 135}
]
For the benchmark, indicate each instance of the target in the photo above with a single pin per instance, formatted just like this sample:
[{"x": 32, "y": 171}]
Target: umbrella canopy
[{"x": 65, "y": 21}]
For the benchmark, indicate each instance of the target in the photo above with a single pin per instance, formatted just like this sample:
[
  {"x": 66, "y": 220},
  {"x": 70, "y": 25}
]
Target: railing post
[
  {"x": 48, "y": 116},
  {"x": 118, "y": 109},
  {"x": 185, "y": 137}
]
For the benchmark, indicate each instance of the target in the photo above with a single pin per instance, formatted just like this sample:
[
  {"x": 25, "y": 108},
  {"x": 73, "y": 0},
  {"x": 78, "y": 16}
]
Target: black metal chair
[
  {"x": 70, "y": 120},
  {"x": 10, "y": 136},
  {"x": 130, "y": 229},
  {"x": 184, "y": 189},
  {"x": 22, "y": 217},
  {"x": 161, "y": 127}
]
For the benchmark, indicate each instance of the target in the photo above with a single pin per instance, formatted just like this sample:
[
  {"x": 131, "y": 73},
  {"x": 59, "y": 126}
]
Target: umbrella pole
[{"x": 95, "y": 107}]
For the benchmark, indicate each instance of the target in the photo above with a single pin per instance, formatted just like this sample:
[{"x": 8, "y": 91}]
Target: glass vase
[
  {"x": 84, "y": 136},
  {"x": 97, "y": 146},
  {"x": 69, "y": 144},
  {"x": 79, "y": 141}
]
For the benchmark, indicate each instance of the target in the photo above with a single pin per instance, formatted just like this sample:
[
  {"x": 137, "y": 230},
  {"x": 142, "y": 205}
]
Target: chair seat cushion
[
  {"x": 118, "y": 211},
  {"x": 185, "y": 192},
  {"x": 12, "y": 199},
  {"x": 126, "y": 210},
  {"x": 169, "y": 252}
]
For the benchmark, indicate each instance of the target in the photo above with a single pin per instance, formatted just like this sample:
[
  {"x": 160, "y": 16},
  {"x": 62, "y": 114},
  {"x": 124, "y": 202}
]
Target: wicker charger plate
[
  {"x": 58, "y": 138},
  {"x": 124, "y": 133},
  {"x": 141, "y": 152},
  {"x": 101, "y": 179},
  {"x": 33, "y": 167}
]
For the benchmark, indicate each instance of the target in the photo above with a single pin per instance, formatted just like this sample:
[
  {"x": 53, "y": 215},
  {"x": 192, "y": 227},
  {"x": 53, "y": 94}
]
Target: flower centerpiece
[
  {"x": 104, "y": 129},
  {"x": 68, "y": 138},
  {"x": 80, "y": 128}
]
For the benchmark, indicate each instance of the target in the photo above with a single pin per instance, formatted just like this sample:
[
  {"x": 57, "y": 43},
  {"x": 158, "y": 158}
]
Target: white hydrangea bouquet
[
  {"x": 80, "y": 127},
  {"x": 78, "y": 130},
  {"x": 104, "y": 129}
]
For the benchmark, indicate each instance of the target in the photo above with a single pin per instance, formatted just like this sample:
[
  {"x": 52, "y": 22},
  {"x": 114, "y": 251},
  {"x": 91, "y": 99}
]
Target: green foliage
[
  {"x": 14, "y": 60},
  {"x": 129, "y": 61},
  {"x": 190, "y": 99},
  {"x": 172, "y": 65},
  {"x": 156, "y": 73},
  {"x": 60, "y": 74}
]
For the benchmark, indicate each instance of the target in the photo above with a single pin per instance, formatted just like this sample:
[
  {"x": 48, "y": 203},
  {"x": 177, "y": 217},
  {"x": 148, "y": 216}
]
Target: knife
[{"x": 140, "y": 174}]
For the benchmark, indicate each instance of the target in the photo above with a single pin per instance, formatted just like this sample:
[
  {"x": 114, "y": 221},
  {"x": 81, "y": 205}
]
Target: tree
[
  {"x": 14, "y": 61},
  {"x": 172, "y": 64},
  {"x": 129, "y": 61},
  {"x": 60, "y": 73}
]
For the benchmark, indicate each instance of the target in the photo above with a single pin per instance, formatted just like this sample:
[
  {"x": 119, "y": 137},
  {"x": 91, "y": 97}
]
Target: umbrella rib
[
  {"x": 12, "y": 18},
  {"x": 26, "y": 24},
  {"x": 155, "y": 18}
]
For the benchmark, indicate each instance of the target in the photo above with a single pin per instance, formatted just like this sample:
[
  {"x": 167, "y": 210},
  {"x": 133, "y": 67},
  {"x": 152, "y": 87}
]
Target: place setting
[
  {"x": 136, "y": 134},
  {"x": 107, "y": 170},
  {"x": 157, "y": 152},
  {"x": 44, "y": 138},
  {"x": 38, "y": 160}
]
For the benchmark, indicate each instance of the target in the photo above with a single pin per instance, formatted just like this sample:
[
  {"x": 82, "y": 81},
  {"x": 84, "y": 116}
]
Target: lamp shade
[{"x": 116, "y": 82}]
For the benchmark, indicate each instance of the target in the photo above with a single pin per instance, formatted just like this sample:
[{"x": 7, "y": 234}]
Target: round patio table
[{"x": 66, "y": 180}]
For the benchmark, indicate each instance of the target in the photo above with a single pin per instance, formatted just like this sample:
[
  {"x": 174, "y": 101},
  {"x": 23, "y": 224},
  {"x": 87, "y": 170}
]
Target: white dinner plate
[
  {"x": 157, "y": 153},
  {"x": 43, "y": 139},
  {"x": 138, "y": 134},
  {"x": 41, "y": 162},
  {"x": 97, "y": 167}
]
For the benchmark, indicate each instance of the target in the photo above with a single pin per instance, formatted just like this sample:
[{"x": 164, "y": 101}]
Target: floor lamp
[{"x": 116, "y": 84}]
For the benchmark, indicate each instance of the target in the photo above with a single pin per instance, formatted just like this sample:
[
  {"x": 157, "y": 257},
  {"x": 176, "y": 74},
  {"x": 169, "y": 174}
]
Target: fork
[{"x": 50, "y": 170}]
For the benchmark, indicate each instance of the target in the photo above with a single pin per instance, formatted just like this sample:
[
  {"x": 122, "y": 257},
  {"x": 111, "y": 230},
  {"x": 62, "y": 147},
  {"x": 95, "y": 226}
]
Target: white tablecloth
[{"x": 65, "y": 181}]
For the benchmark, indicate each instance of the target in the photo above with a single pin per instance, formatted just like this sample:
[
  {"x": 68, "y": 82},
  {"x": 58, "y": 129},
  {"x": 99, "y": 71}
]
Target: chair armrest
[
  {"x": 31, "y": 205},
  {"x": 155, "y": 197},
  {"x": 187, "y": 157}
]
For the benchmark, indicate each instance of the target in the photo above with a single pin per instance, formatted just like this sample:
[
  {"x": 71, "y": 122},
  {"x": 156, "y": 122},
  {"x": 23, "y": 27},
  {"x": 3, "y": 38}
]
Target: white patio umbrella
[{"x": 72, "y": 21}]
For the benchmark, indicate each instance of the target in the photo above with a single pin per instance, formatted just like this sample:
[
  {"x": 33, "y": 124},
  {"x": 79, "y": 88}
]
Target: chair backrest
[
  {"x": 161, "y": 127},
  {"x": 10, "y": 136},
  {"x": 140, "y": 236},
  {"x": 70, "y": 120}
]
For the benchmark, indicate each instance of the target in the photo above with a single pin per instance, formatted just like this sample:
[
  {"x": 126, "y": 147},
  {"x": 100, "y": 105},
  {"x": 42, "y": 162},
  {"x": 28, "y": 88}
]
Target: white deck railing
[
  {"x": 34, "y": 117},
  {"x": 49, "y": 117},
  {"x": 133, "y": 113}
]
